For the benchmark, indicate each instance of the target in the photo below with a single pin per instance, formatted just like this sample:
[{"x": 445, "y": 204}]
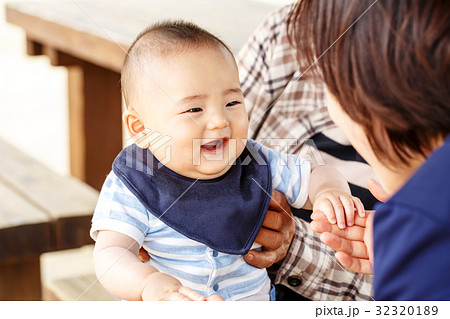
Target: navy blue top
[{"x": 412, "y": 235}]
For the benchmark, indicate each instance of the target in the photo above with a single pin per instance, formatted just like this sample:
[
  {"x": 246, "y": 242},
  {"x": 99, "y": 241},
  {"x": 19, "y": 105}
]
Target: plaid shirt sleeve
[{"x": 286, "y": 107}]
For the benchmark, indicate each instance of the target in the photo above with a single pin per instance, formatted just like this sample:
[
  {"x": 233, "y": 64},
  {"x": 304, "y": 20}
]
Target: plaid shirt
[{"x": 286, "y": 111}]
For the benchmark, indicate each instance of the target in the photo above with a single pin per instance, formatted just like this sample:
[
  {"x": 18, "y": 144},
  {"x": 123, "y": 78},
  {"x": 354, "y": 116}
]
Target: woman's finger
[
  {"x": 377, "y": 190},
  {"x": 353, "y": 248},
  {"x": 350, "y": 233},
  {"x": 359, "y": 265}
]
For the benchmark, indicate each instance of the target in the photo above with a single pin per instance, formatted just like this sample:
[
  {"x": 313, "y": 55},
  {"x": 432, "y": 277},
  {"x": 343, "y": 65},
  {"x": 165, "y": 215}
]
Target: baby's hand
[
  {"x": 214, "y": 298},
  {"x": 339, "y": 207},
  {"x": 162, "y": 287}
]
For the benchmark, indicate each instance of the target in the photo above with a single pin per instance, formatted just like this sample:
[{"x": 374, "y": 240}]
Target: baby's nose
[{"x": 218, "y": 121}]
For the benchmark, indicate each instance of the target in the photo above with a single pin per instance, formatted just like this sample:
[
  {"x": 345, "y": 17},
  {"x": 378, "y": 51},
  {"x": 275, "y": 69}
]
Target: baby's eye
[
  {"x": 233, "y": 103},
  {"x": 194, "y": 110}
]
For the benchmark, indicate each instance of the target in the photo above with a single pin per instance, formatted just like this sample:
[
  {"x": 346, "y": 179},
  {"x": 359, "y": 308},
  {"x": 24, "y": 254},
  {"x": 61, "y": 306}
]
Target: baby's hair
[
  {"x": 388, "y": 65},
  {"x": 161, "y": 40}
]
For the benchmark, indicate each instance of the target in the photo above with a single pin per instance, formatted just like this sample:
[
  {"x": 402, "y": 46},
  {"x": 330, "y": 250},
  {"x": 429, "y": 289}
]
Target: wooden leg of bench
[
  {"x": 95, "y": 113},
  {"x": 21, "y": 279}
]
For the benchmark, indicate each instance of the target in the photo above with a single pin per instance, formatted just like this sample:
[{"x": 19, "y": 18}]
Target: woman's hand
[
  {"x": 275, "y": 234},
  {"x": 377, "y": 190},
  {"x": 353, "y": 245}
]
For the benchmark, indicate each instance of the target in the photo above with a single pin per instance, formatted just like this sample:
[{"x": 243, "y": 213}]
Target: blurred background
[
  {"x": 33, "y": 100},
  {"x": 34, "y": 118}
]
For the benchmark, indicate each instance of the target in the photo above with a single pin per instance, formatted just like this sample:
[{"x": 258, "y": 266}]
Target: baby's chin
[{"x": 208, "y": 172}]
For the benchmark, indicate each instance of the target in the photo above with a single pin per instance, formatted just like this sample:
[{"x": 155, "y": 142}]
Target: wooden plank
[
  {"x": 63, "y": 199},
  {"x": 81, "y": 288},
  {"x": 61, "y": 196},
  {"x": 24, "y": 241},
  {"x": 20, "y": 280},
  {"x": 25, "y": 233},
  {"x": 58, "y": 58},
  {"x": 101, "y": 31},
  {"x": 16, "y": 211},
  {"x": 73, "y": 231},
  {"x": 24, "y": 229},
  {"x": 84, "y": 45}
]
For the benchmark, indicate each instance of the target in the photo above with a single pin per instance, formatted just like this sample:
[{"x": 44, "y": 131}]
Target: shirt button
[
  {"x": 215, "y": 253},
  {"x": 216, "y": 287},
  {"x": 294, "y": 281}
]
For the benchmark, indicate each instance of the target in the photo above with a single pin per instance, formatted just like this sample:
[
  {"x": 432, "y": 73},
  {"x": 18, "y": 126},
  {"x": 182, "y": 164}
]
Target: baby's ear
[
  {"x": 132, "y": 122},
  {"x": 135, "y": 127}
]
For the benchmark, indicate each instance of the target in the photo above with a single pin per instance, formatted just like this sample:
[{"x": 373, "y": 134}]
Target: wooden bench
[
  {"x": 68, "y": 275},
  {"x": 79, "y": 288},
  {"x": 40, "y": 211}
]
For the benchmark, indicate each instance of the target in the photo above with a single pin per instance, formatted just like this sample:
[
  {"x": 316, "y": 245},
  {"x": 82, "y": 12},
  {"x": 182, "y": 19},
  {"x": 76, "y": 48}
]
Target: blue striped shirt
[{"x": 194, "y": 264}]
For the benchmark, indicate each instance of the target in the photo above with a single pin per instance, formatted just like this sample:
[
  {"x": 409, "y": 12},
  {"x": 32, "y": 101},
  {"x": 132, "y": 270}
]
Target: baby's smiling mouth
[{"x": 215, "y": 146}]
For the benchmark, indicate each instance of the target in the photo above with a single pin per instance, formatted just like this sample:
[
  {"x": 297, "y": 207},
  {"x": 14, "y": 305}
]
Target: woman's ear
[{"x": 135, "y": 127}]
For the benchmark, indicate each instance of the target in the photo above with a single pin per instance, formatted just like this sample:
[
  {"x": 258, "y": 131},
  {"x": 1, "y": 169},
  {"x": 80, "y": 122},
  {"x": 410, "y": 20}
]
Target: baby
[{"x": 196, "y": 200}]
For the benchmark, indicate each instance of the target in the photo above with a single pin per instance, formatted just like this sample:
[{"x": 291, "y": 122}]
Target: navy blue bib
[{"x": 225, "y": 213}]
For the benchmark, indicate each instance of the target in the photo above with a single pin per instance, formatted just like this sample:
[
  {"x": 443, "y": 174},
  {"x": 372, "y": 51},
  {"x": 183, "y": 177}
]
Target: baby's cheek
[{"x": 243, "y": 123}]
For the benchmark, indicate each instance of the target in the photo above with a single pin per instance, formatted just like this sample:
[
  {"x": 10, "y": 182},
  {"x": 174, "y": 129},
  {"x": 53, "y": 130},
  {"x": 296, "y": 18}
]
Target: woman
[{"x": 386, "y": 66}]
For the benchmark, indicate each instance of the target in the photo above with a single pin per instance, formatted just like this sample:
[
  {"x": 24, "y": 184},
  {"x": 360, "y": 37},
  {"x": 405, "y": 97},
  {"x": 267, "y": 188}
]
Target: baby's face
[{"x": 196, "y": 100}]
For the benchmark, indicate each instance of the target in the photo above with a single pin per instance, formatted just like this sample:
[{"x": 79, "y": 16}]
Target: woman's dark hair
[{"x": 388, "y": 64}]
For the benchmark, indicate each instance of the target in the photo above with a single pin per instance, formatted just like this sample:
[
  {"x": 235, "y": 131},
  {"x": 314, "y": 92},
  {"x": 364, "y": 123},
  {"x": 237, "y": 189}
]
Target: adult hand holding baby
[{"x": 275, "y": 235}]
